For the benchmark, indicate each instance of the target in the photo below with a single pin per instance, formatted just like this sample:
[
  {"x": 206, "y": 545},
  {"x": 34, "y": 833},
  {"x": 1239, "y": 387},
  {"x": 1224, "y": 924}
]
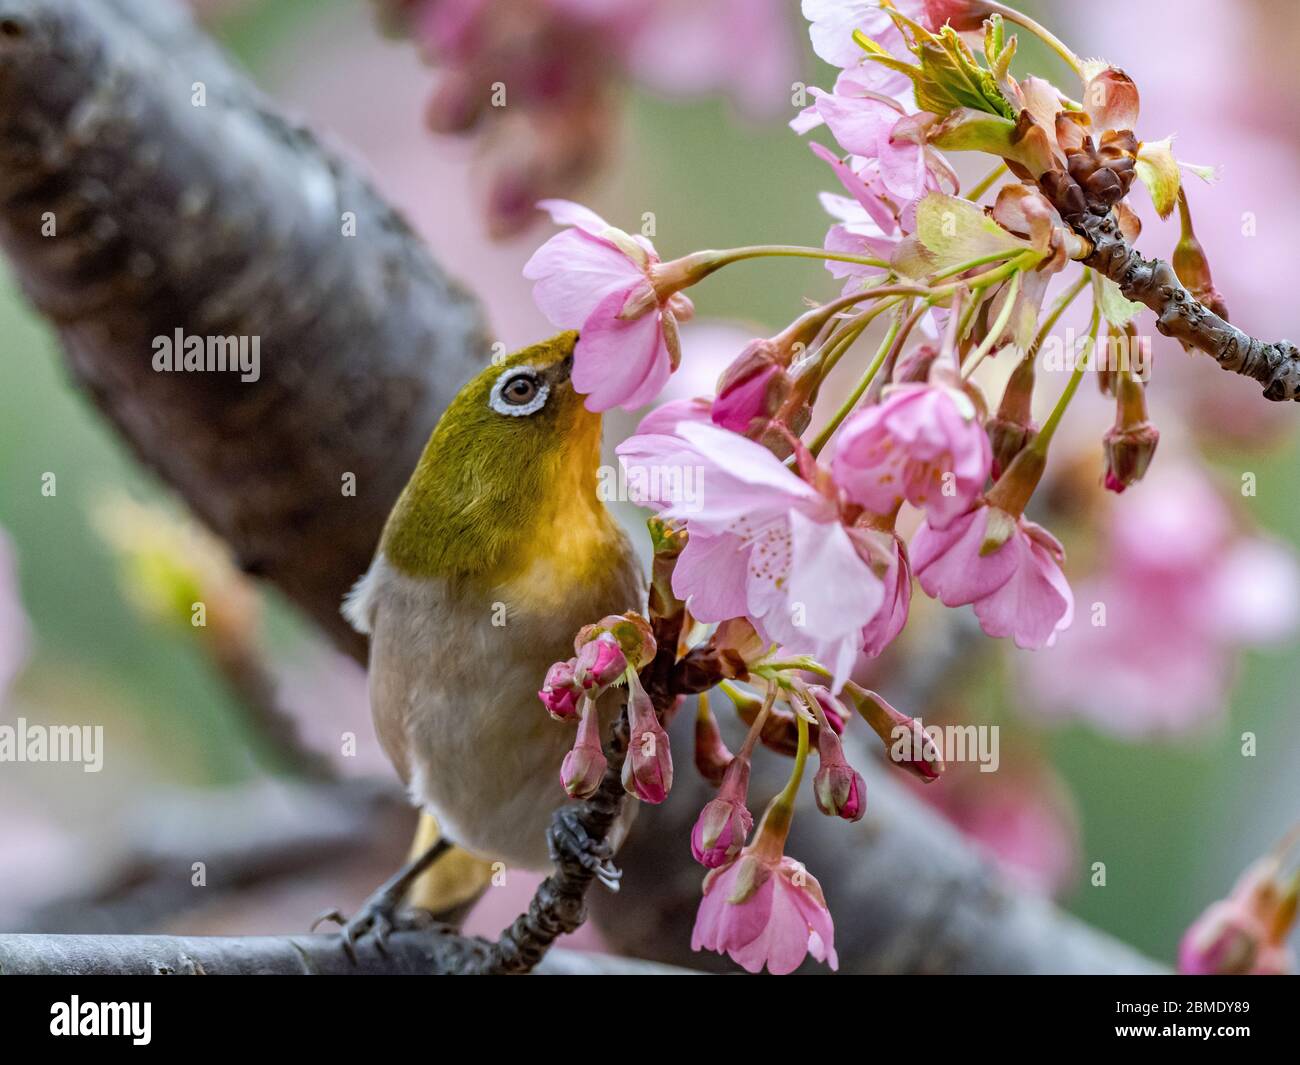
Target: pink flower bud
[
  {"x": 1128, "y": 454},
  {"x": 648, "y": 768},
  {"x": 1008, "y": 438},
  {"x": 720, "y": 832},
  {"x": 909, "y": 745},
  {"x": 711, "y": 755},
  {"x": 600, "y": 662},
  {"x": 751, "y": 389},
  {"x": 560, "y": 691},
  {"x": 838, "y": 788},
  {"x": 632, "y": 632},
  {"x": 1131, "y": 442},
  {"x": 961, "y": 15},
  {"x": 1224, "y": 940},
  {"x": 724, "y": 823},
  {"x": 584, "y": 766}
]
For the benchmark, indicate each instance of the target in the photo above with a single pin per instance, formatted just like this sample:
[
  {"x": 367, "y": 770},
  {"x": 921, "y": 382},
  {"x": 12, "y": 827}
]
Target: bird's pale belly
[{"x": 454, "y": 697}]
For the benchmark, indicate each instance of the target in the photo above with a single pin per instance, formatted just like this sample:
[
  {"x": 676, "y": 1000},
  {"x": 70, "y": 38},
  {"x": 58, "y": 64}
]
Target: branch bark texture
[
  {"x": 406, "y": 953},
  {"x": 1153, "y": 282}
]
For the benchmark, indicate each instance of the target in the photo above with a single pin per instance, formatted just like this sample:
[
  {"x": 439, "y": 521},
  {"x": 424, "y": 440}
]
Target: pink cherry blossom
[
  {"x": 1018, "y": 590},
  {"x": 877, "y": 130},
  {"x": 664, "y": 419},
  {"x": 887, "y": 556},
  {"x": 856, "y": 232},
  {"x": 765, "y": 911},
  {"x": 763, "y": 543},
  {"x": 603, "y": 282},
  {"x": 831, "y": 26},
  {"x": 1024, "y": 817},
  {"x": 922, "y": 443}
]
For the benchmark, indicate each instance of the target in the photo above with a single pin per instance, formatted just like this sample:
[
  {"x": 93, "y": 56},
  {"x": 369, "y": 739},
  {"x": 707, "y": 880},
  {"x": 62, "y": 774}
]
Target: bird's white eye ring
[{"x": 519, "y": 392}]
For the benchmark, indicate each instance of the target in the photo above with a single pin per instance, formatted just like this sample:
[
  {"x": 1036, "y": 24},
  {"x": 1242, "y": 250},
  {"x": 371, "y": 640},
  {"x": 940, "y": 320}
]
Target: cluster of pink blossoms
[
  {"x": 792, "y": 558},
  {"x": 535, "y": 80}
]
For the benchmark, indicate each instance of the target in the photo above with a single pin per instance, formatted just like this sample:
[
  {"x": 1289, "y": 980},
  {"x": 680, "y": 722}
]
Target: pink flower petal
[
  {"x": 711, "y": 575},
  {"x": 568, "y": 213},
  {"x": 948, "y": 564},
  {"x": 575, "y": 273},
  {"x": 620, "y": 363}
]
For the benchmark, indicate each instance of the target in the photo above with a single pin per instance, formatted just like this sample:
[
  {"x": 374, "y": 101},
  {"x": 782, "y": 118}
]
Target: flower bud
[
  {"x": 584, "y": 766},
  {"x": 838, "y": 788},
  {"x": 1193, "y": 267},
  {"x": 711, "y": 755},
  {"x": 1008, "y": 438},
  {"x": 751, "y": 389},
  {"x": 633, "y": 633},
  {"x": 1224, "y": 940},
  {"x": 1246, "y": 932},
  {"x": 1012, "y": 429},
  {"x": 909, "y": 745},
  {"x": 961, "y": 15},
  {"x": 648, "y": 768},
  {"x": 560, "y": 691},
  {"x": 724, "y": 823},
  {"x": 1131, "y": 442},
  {"x": 600, "y": 662},
  {"x": 1128, "y": 454}
]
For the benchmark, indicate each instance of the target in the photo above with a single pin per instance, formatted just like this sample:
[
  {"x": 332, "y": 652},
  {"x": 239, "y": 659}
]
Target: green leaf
[
  {"x": 1158, "y": 171},
  {"x": 951, "y": 77},
  {"x": 1001, "y": 66},
  {"x": 967, "y": 130},
  {"x": 952, "y": 231},
  {"x": 884, "y": 56},
  {"x": 1116, "y": 308},
  {"x": 948, "y": 77},
  {"x": 994, "y": 37}
]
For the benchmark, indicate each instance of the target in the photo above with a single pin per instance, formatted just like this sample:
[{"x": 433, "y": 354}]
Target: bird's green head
[{"x": 509, "y": 475}]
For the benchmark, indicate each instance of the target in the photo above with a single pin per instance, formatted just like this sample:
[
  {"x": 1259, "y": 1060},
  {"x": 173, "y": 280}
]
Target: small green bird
[{"x": 495, "y": 554}]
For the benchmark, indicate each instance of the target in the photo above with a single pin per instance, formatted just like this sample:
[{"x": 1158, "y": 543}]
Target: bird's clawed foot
[
  {"x": 569, "y": 841},
  {"x": 380, "y": 915}
]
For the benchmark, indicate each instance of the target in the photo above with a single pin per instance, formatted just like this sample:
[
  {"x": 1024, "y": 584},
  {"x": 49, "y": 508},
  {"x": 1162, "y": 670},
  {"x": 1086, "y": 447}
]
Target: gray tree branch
[{"x": 405, "y": 954}]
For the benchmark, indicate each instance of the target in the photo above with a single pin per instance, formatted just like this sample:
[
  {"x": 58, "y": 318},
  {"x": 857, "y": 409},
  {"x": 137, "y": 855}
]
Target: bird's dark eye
[{"x": 519, "y": 392}]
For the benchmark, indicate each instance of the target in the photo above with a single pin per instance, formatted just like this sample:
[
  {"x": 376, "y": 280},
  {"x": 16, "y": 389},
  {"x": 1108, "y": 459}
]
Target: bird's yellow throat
[{"x": 499, "y": 504}]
